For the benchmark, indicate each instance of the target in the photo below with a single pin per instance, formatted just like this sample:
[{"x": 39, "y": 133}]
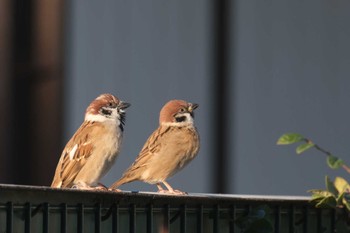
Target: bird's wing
[
  {"x": 77, "y": 151},
  {"x": 151, "y": 147}
]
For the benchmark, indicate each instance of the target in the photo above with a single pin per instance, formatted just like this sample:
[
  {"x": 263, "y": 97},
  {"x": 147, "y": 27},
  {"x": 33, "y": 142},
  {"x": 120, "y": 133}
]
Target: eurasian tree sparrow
[
  {"x": 94, "y": 147},
  {"x": 169, "y": 148}
]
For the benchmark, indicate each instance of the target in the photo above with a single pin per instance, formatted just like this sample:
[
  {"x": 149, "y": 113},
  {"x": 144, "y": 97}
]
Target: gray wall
[{"x": 290, "y": 68}]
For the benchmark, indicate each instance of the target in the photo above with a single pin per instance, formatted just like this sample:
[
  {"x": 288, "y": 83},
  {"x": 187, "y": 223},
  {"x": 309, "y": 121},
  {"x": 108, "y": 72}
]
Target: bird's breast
[
  {"x": 178, "y": 146},
  {"x": 109, "y": 143}
]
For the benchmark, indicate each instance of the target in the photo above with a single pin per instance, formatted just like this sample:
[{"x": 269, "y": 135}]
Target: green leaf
[
  {"x": 340, "y": 199},
  {"x": 320, "y": 192},
  {"x": 289, "y": 138},
  {"x": 334, "y": 162},
  {"x": 347, "y": 205},
  {"x": 331, "y": 187},
  {"x": 303, "y": 147},
  {"x": 318, "y": 196},
  {"x": 341, "y": 184},
  {"x": 346, "y": 200},
  {"x": 327, "y": 202}
]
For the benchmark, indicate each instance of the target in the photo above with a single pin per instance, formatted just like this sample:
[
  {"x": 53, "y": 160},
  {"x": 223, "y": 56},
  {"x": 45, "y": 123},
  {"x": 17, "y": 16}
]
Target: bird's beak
[
  {"x": 123, "y": 105},
  {"x": 192, "y": 107}
]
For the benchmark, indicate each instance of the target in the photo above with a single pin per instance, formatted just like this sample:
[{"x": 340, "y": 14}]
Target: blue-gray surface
[{"x": 290, "y": 66}]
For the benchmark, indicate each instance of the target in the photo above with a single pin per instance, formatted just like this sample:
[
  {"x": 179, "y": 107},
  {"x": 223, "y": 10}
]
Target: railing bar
[
  {"x": 232, "y": 219},
  {"x": 200, "y": 219},
  {"x": 150, "y": 219},
  {"x": 277, "y": 218},
  {"x": 249, "y": 208},
  {"x": 98, "y": 218},
  {"x": 63, "y": 218},
  {"x": 183, "y": 219},
  {"x": 306, "y": 219},
  {"x": 216, "y": 219},
  {"x": 9, "y": 217},
  {"x": 319, "y": 219},
  {"x": 80, "y": 218},
  {"x": 166, "y": 224},
  {"x": 291, "y": 218},
  {"x": 333, "y": 216},
  {"x": 27, "y": 217},
  {"x": 46, "y": 218},
  {"x": 115, "y": 218},
  {"x": 132, "y": 218}
]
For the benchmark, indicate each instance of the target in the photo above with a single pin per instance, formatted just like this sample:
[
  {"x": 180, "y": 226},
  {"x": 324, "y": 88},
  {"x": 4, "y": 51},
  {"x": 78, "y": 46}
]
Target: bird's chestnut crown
[{"x": 104, "y": 105}]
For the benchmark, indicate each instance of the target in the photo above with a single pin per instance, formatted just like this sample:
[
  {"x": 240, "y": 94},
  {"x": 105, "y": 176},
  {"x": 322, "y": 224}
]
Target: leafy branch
[
  {"x": 337, "y": 193},
  {"x": 290, "y": 138}
]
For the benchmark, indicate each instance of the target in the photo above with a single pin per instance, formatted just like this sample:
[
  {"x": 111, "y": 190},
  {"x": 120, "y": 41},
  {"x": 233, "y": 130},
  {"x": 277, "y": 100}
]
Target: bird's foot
[
  {"x": 172, "y": 192},
  {"x": 114, "y": 190},
  {"x": 170, "y": 189},
  {"x": 99, "y": 187}
]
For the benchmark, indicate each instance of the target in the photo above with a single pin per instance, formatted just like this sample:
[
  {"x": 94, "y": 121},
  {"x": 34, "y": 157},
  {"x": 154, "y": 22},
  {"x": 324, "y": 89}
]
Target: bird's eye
[
  {"x": 111, "y": 105},
  {"x": 182, "y": 110}
]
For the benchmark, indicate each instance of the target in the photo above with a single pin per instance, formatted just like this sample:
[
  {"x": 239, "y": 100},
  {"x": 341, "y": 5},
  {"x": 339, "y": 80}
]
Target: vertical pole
[
  {"x": 22, "y": 12},
  {"x": 221, "y": 102},
  {"x": 6, "y": 29},
  {"x": 35, "y": 90}
]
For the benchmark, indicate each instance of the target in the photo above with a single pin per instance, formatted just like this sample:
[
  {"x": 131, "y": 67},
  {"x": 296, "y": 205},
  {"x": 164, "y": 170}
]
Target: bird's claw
[
  {"x": 99, "y": 187},
  {"x": 173, "y": 192},
  {"x": 114, "y": 190}
]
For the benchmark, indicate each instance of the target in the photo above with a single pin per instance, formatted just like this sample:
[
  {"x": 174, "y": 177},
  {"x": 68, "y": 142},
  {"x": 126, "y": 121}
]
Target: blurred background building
[{"x": 257, "y": 69}]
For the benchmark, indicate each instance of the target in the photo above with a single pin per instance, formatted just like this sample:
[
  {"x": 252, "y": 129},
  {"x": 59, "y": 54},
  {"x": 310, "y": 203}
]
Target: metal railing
[{"x": 42, "y": 209}]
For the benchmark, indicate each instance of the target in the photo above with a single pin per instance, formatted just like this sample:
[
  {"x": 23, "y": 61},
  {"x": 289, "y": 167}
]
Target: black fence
[{"x": 42, "y": 209}]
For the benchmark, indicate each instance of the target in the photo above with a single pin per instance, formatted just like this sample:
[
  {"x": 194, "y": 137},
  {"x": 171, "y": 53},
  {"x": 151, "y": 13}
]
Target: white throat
[{"x": 101, "y": 118}]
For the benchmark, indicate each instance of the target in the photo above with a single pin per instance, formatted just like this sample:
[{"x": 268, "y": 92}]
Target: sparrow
[
  {"x": 94, "y": 147},
  {"x": 169, "y": 148}
]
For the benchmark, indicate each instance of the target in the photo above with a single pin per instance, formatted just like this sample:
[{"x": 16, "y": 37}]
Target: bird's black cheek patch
[
  {"x": 180, "y": 119},
  {"x": 106, "y": 112}
]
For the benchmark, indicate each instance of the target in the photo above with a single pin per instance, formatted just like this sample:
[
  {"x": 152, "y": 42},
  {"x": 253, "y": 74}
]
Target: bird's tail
[
  {"x": 119, "y": 182},
  {"x": 56, "y": 183}
]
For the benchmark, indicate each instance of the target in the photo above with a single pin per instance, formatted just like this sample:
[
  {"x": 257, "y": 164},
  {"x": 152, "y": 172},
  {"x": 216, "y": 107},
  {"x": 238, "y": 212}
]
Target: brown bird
[
  {"x": 168, "y": 150},
  {"x": 94, "y": 147}
]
